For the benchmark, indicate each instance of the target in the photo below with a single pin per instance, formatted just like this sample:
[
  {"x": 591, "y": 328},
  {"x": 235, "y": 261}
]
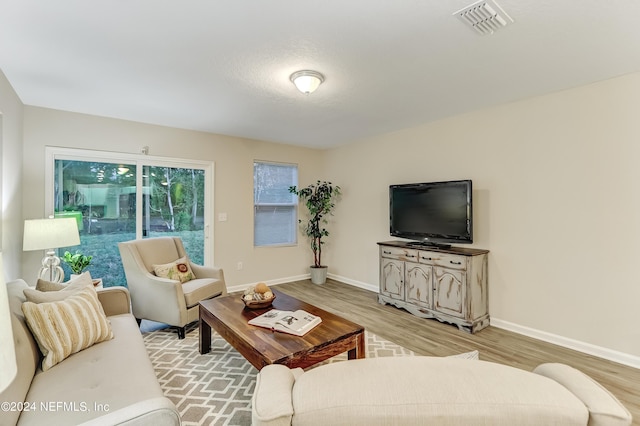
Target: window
[
  {"x": 274, "y": 207},
  {"x": 119, "y": 197}
]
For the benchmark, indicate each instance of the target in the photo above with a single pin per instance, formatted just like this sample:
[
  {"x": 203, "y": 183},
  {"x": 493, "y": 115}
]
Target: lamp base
[{"x": 51, "y": 269}]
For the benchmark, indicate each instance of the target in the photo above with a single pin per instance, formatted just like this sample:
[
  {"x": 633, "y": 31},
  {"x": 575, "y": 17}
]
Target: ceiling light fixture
[{"x": 307, "y": 81}]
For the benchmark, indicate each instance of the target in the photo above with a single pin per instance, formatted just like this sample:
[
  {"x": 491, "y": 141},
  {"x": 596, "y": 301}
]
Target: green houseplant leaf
[
  {"x": 77, "y": 262},
  {"x": 319, "y": 198}
]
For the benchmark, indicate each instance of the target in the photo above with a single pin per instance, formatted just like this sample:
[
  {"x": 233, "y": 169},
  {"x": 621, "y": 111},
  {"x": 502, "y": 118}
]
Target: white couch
[
  {"x": 432, "y": 391},
  {"x": 109, "y": 383}
]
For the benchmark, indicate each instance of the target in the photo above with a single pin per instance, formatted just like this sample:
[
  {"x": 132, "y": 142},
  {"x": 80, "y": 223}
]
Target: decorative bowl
[{"x": 258, "y": 304}]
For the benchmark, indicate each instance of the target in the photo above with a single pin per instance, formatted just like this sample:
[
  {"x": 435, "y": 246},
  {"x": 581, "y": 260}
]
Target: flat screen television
[{"x": 432, "y": 213}]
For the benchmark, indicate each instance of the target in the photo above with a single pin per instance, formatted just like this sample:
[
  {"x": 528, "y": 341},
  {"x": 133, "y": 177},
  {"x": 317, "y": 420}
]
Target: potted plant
[
  {"x": 78, "y": 262},
  {"x": 320, "y": 200}
]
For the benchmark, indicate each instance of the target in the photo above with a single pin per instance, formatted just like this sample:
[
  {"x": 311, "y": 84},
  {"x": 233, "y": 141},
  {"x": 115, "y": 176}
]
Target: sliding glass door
[
  {"x": 173, "y": 204},
  {"x": 122, "y": 199},
  {"x": 102, "y": 198}
]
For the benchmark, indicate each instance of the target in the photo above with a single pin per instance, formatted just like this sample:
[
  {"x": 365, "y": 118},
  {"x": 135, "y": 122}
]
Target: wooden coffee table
[{"x": 260, "y": 346}]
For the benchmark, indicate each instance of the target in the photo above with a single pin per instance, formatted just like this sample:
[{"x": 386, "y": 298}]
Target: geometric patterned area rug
[{"x": 216, "y": 388}]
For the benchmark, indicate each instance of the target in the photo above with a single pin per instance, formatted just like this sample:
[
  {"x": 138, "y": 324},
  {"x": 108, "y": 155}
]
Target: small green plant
[
  {"x": 320, "y": 201},
  {"x": 77, "y": 262}
]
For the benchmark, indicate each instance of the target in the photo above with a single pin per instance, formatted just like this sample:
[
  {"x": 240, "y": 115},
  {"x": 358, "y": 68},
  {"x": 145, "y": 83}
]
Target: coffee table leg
[
  {"x": 359, "y": 351},
  {"x": 205, "y": 337}
]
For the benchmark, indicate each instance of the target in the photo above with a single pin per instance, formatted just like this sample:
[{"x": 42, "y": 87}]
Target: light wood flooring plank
[{"x": 430, "y": 337}]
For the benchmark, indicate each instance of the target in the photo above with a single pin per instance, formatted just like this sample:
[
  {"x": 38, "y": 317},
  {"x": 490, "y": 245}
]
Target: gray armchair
[{"x": 161, "y": 299}]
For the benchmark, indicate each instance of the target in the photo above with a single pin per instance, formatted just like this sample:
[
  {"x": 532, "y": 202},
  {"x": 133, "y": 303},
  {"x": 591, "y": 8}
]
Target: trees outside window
[{"x": 123, "y": 199}]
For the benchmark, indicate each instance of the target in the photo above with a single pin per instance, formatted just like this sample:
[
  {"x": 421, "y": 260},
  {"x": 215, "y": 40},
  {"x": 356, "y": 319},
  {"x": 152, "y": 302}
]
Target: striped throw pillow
[{"x": 68, "y": 326}]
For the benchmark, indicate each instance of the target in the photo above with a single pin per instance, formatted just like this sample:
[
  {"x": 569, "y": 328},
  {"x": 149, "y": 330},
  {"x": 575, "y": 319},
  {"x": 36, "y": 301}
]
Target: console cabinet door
[
  {"x": 418, "y": 284},
  {"x": 449, "y": 292},
  {"x": 392, "y": 278}
]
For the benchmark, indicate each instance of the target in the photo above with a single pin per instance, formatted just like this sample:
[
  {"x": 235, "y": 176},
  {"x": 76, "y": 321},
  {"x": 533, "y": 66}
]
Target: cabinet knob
[{"x": 455, "y": 263}]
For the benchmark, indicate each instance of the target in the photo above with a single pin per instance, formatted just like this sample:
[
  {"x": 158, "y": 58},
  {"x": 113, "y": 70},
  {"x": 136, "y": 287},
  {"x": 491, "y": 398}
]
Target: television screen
[{"x": 434, "y": 212}]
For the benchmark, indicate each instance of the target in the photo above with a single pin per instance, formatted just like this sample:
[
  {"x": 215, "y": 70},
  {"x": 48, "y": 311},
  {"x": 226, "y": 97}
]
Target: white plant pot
[
  {"x": 97, "y": 283},
  {"x": 318, "y": 275},
  {"x": 72, "y": 276}
]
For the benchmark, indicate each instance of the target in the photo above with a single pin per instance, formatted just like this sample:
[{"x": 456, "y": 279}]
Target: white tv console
[{"x": 448, "y": 284}]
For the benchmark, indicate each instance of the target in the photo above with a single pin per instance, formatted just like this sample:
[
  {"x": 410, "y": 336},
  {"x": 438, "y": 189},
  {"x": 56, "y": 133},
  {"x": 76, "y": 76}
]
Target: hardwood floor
[{"x": 430, "y": 337}]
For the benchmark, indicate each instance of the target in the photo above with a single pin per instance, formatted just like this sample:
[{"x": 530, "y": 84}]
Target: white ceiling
[{"x": 223, "y": 66}]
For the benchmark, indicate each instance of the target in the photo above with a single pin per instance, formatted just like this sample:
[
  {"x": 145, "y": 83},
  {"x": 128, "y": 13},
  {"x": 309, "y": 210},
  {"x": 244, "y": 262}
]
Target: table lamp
[{"x": 50, "y": 234}]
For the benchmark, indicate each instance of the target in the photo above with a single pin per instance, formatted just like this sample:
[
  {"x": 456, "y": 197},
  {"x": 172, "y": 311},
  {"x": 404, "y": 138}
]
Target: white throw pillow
[
  {"x": 46, "y": 291},
  {"x": 179, "y": 270}
]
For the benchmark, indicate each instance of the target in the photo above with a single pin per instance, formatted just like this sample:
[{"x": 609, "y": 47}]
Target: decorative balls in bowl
[{"x": 258, "y": 296}]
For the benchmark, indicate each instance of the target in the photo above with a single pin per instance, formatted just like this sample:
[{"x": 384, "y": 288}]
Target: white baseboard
[
  {"x": 587, "y": 348},
  {"x": 243, "y": 287},
  {"x": 359, "y": 284}
]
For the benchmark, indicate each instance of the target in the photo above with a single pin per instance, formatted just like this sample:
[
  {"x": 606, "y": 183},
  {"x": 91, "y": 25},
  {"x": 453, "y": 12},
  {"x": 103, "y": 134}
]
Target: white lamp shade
[
  {"x": 8, "y": 363},
  {"x": 307, "y": 81},
  {"x": 44, "y": 234}
]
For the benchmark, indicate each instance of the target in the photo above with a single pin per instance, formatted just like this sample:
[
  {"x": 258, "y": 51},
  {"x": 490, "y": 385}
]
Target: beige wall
[
  {"x": 556, "y": 200},
  {"x": 10, "y": 182},
  {"x": 555, "y": 191},
  {"x": 233, "y": 158}
]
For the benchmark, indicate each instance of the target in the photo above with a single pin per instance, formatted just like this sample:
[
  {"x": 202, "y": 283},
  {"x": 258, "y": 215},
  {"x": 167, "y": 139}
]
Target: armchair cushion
[
  {"x": 65, "y": 327},
  {"x": 201, "y": 289},
  {"x": 178, "y": 270}
]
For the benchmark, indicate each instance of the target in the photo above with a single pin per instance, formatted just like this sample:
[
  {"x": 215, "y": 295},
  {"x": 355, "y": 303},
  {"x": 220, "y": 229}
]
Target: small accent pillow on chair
[{"x": 178, "y": 270}]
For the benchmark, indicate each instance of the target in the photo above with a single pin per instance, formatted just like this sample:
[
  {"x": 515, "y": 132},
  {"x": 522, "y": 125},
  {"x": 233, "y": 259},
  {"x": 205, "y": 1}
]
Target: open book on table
[{"x": 293, "y": 322}]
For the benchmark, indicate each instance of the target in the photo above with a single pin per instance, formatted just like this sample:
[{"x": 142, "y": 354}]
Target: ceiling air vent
[{"x": 484, "y": 16}]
